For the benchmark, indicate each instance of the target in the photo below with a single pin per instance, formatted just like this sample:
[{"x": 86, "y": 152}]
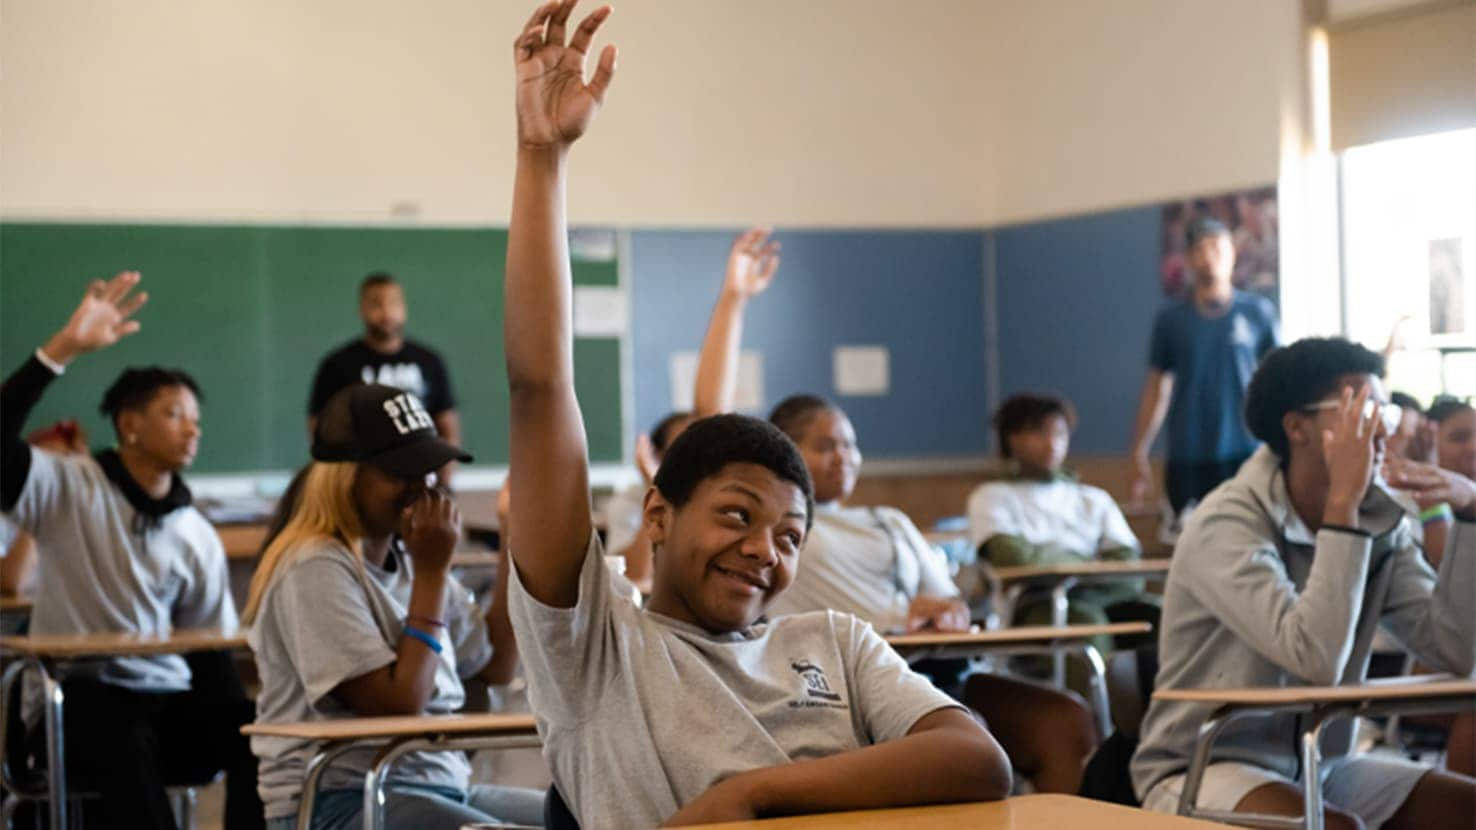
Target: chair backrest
[{"x": 1130, "y": 685}]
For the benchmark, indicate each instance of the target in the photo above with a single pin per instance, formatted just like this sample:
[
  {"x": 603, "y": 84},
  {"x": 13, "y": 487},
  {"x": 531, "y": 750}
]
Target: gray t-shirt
[
  {"x": 103, "y": 572},
  {"x": 640, "y": 714},
  {"x": 322, "y": 621},
  {"x": 867, "y": 561}
]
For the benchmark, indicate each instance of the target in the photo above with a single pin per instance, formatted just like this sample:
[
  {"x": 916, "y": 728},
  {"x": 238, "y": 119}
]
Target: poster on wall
[{"x": 1251, "y": 216}]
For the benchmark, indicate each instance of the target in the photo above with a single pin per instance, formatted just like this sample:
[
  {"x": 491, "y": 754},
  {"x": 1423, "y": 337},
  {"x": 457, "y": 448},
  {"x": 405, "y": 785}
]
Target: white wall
[{"x": 821, "y": 113}]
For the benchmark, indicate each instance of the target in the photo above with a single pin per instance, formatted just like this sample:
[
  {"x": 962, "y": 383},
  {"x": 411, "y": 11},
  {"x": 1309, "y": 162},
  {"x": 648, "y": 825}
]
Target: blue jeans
[{"x": 433, "y": 808}]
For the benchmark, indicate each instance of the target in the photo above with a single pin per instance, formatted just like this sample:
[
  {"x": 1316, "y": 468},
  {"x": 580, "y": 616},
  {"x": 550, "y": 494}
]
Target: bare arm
[
  {"x": 946, "y": 757},
  {"x": 448, "y": 424},
  {"x": 1153, "y": 406},
  {"x": 18, "y": 568},
  {"x": 752, "y": 262},
  {"x": 430, "y": 528},
  {"x": 549, "y": 464},
  {"x": 504, "y": 663}
]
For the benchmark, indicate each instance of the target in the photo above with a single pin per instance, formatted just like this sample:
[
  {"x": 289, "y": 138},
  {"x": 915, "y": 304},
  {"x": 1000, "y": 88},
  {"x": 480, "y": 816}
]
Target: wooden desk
[
  {"x": 476, "y": 559},
  {"x": 36, "y": 650},
  {"x": 398, "y": 736},
  {"x": 1026, "y": 812},
  {"x": 1061, "y": 578},
  {"x": 1058, "y": 641},
  {"x": 242, "y": 541},
  {"x": 1317, "y": 706},
  {"x": 18, "y": 604},
  {"x": 114, "y": 644}
]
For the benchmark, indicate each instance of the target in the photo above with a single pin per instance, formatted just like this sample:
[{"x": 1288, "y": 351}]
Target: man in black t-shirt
[{"x": 384, "y": 355}]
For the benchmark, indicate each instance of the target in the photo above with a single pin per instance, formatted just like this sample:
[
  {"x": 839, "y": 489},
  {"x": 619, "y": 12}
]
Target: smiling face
[
  {"x": 729, "y": 550},
  {"x": 166, "y": 430}
]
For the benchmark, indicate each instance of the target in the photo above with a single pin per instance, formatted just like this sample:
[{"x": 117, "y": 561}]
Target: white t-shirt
[
  {"x": 867, "y": 561},
  {"x": 1072, "y": 515},
  {"x": 641, "y": 714}
]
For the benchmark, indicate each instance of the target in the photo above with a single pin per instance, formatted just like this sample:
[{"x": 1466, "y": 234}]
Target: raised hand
[
  {"x": 100, "y": 320},
  {"x": 555, "y": 106},
  {"x": 431, "y": 527},
  {"x": 1348, "y": 449},
  {"x": 752, "y": 262}
]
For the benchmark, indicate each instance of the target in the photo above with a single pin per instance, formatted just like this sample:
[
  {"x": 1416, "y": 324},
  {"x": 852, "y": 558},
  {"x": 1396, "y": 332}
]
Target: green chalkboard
[{"x": 249, "y": 311}]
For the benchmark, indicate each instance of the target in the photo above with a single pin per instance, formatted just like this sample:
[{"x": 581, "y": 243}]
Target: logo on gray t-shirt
[{"x": 817, "y": 688}]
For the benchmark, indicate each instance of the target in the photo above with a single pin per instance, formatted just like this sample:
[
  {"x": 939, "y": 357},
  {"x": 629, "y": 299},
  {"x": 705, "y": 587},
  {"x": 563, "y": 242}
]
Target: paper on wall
[
  {"x": 862, "y": 370},
  {"x": 747, "y": 397},
  {"x": 599, "y": 311}
]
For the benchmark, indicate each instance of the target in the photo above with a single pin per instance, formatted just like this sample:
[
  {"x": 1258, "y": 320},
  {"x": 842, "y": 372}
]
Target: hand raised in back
[
  {"x": 554, "y": 104},
  {"x": 752, "y": 262},
  {"x": 101, "y": 319}
]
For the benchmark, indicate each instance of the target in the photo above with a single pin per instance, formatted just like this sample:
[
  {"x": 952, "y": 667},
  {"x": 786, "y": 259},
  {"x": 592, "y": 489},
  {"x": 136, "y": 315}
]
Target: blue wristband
[{"x": 430, "y": 642}]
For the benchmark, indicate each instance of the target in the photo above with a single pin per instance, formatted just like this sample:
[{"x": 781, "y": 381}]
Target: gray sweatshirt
[{"x": 1255, "y": 599}]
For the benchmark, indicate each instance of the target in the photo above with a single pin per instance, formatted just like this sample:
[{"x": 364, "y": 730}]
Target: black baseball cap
[
  {"x": 1202, "y": 227},
  {"x": 383, "y": 426}
]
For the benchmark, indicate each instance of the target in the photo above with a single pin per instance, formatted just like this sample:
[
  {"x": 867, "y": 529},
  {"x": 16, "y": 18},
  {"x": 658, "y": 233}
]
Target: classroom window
[{"x": 1409, "y": 254}]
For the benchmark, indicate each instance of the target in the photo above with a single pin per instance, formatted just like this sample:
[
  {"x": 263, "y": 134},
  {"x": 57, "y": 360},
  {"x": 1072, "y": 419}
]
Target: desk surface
[
  {"x": 1396, "y": 688},
  {"x": 396, "y": 727},
  {"x": 242, "y": 541},
  {"x": 114, "y": 644},
  {"x": 1026, "y": 812},
  {"x": 1014, "y": 636},
  {"x": 16, "y": 603},
  {"x": 1134, "y": 567},
  {"x": 475, "y": 559}
]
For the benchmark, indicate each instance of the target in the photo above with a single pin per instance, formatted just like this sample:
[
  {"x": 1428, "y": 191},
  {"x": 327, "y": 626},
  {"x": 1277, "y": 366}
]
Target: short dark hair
[
  {"x": 709, "y": 444},
  {"x": 661, "y": 433},
  {"x": 1404, "y": 400},
  {"x": 1446, "y": 407},
  {"x": 135, "y": 387},
  {"x": 375, "y": 280},
  {"x": 1297, "y": 376},
  {"x": 793, "y": 413},
  {"x": 1027, "y": 411}
]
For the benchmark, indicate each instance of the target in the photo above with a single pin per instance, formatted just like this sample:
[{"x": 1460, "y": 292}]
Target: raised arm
[
  {"x": 102, "y": 318},
  {"x": 549, "y": 469},
  {"x": 752, "y": 261}
]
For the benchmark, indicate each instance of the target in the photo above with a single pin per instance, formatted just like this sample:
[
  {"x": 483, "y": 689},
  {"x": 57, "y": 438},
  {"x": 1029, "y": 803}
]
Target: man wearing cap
[
  {"x": 386, "y": 356},
  {"x": 1203, "y": 351}
]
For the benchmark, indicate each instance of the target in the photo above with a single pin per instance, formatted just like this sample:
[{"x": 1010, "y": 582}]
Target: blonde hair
[{"x": 322, "y": 509}]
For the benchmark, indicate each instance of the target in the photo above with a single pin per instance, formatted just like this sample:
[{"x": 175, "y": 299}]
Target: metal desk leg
[
  {"x": 1098, "y": 673},
  {"x": 1058, "y": 619},
  {"x": 1208, "y": 731},
  {"x": 56, "y": 767},
  {"x": 316, "y": 766},
  {"x": 1313, "y": 812}
]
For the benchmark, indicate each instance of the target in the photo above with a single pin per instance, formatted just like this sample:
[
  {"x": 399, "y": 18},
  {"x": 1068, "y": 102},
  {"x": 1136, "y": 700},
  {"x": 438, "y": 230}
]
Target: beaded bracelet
[
  {"x": 431, "y": 642},
  {"x": 1437, "y": 513}
]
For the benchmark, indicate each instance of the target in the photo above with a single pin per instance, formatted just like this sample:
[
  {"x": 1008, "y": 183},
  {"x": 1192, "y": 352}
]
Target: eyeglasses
[{"x": 1390, "y": 413}]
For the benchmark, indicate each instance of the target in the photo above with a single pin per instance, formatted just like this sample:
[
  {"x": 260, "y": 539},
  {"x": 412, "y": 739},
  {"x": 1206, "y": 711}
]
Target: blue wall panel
[
  {"x": 1076, "y": 301},
  {"x": 919, "y": 293}
]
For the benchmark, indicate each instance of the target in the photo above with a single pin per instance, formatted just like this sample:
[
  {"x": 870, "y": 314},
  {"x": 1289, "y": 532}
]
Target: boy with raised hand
[
  {"x": 123, "y": 549},
  {"x": 687, "y": 711},
  {"x": 1281, "y": 578}
]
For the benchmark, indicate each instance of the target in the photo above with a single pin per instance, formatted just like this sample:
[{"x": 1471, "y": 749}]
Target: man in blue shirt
[{"x": 1204, "y": 349}]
